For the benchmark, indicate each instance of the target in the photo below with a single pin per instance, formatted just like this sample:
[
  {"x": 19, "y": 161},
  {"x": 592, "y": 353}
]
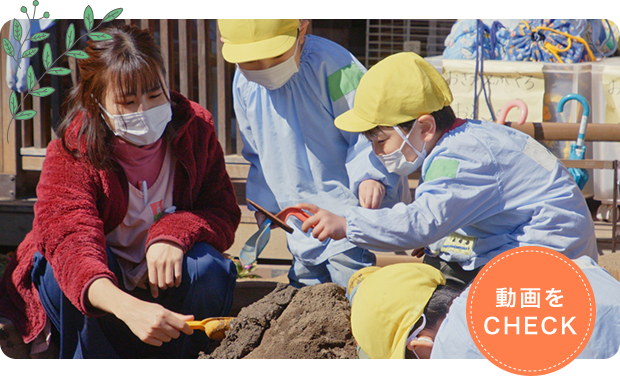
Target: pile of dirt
[{"x": 308, "y": 323}]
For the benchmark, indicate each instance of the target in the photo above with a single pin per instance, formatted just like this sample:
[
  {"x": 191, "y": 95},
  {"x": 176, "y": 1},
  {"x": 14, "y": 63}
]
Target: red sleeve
[
  {"x": 214, "y": 214},
  {"x": 67, "y": 221}
]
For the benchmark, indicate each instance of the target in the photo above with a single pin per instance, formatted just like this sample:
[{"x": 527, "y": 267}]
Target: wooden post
[
  {"x": 183, "y": 58},
  {"x": 11, "y": 174},
  {"x": 202, "y": 57},
  {"x": 222, "y": 121},
  {"x": 568, "y": 131}
]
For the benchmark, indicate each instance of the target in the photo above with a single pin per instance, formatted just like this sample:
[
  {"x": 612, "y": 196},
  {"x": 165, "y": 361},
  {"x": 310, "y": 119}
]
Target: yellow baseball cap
[
  {"x": 388, "y": 303},
  {"x": 249, "y": 40},
  {"x": 398, "y": 89}
]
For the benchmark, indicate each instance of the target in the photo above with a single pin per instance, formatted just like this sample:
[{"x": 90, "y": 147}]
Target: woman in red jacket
[{"x": 134, "y": 210}]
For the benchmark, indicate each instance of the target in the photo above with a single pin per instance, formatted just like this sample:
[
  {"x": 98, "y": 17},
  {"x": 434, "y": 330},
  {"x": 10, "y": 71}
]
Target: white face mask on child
[
  {"x": 414, "y": 336},
  {"x": 397, "y": 163},
  {"x": 275, "y": 77}
]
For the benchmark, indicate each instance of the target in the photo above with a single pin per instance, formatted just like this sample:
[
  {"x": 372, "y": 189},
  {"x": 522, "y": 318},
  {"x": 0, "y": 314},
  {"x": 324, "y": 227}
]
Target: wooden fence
[{"x": 192, "y": 56}]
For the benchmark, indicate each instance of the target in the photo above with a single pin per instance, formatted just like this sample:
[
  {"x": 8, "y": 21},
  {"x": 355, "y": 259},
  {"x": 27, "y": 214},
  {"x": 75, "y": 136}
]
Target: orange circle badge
[{"x": 531, "y": 310}]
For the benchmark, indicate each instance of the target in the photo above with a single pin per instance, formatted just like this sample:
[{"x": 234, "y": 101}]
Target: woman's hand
[
  {"x": 371, "y": 194},
  {"x": 150, "y": 322},
  {"x": 165, "y": 266},
  {"x": 326, "y": 224}
]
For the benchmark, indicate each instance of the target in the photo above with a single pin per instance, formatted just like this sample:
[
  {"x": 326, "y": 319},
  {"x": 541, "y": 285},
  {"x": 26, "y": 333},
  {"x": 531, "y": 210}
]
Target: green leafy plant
[
  {"x": 48, "y": 60},
  {"x": 245, "y": 272}
]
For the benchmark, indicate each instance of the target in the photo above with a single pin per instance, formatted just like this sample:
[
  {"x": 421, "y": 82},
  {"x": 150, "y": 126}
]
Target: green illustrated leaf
[
  {"x": 25, "y": 115},
  {"x": 59, "y": 71},
  {"x": 112, "y": 15},
  {"x": 70, "y": 36},
  {"x": 47, "y": 56},
  {"x": 13, "y": 103},
  {"x": 39, "y": 37},
  {"x": 43, "y": 92},
  {"x": 8, "y": 47},
  {"x": 78, "y": 54},
  {"x": 17, "y": 30},
  {"x": 89, "y": 19},
  {"x": 30, "y": 53},
  {"x": 31, "y": 78},
  {"x": 99, "y": 36}
]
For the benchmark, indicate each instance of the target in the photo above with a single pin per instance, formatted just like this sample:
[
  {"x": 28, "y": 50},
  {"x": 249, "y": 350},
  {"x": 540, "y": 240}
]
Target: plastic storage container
[
  {"x": 603, "y": 187},
  {"x": 560, "y": 79}
]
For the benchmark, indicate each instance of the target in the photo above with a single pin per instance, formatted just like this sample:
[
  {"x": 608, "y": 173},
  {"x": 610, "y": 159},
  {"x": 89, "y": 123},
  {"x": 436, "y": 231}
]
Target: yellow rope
[
  {"x": 554, "y": 50},
  {"x": 567, "y": 35}
]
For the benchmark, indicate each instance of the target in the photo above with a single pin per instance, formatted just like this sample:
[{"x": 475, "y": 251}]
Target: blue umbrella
[{"x": 578, "y": 150}]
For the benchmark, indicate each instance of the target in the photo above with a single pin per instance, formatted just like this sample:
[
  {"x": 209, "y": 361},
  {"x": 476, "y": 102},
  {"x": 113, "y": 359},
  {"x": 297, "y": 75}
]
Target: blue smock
[
  {"x": 485, "y": 189},
  {"x": 453, "y": 340},
  {"x": 296, "y": 152}
]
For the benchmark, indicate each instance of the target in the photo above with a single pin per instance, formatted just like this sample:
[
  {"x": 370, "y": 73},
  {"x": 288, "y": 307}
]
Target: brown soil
[{"x": 289, "y": 323}]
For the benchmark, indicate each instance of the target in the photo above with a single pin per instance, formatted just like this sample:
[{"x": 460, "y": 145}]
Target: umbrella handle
[
  {"x": 509, "y": 106},
  {"x": 584, "y": 118}
]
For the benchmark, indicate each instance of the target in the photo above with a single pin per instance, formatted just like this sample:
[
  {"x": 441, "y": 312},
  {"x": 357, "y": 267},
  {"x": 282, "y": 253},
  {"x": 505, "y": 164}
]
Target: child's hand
[
  {"x": 371, "y": 193},
  {"x": 260, "y": 217},
  {"x": 326, "y": 224}
]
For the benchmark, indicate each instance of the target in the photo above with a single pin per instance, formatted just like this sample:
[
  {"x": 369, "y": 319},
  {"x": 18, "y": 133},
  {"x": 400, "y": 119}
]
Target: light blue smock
[
  {"x": 296, "y": 152},
  {"x": 495, "y": 185},
  {"x": 453, "y": 340}
]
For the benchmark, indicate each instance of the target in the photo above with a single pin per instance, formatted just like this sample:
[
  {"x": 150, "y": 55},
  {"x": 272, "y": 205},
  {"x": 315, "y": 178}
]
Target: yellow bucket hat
[
  {"x": 398, "y": 89},
  {"x": 249, "y": 40},
  {"x": 388, "y": 303}
]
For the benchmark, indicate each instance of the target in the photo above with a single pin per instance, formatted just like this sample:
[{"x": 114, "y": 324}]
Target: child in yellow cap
[
  {"x": 396, "y": 310},
  {"x": 484, "y": 189},
  {"x": 288, "y": 89}
]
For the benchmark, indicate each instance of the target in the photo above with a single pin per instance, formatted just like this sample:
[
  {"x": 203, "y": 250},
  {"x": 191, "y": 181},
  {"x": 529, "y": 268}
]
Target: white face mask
[
  {"x": 141, "y": 128},
  {"x": 414, "y": 336},
  {"x": 275, "y": 77},
  {"x": 396, "y": 162}
]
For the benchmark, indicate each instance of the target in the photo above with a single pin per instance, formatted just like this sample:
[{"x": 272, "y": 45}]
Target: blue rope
[{"x": 479, "y": 70}]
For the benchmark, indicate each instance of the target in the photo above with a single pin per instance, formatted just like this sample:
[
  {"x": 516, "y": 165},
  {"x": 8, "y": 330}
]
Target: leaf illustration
[
  {"x": 13, "y": 103},
  {"x": 70, "y": 36},
  {"x": 78, "y": 54},
  {"x": 43, "y": 92},
  {"x": 99, "y": 36},
  {"x": 31, "y": 78},
  {"x": 30, "y": 53},
  {"x": 59, "y": 71},
  {"x": 47, "y": 56},
  {"x": 17, "y": 30},
  {"x": 112, "y": 15},
  {"x": 25, "y": 115},
  {"x": 8, "y": 47},
  {"x": 89, "y": 19},
  {"x": 39, "y": 37}
]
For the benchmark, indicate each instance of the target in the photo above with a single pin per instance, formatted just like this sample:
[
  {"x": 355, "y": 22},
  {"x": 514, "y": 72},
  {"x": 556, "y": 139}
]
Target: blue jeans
[
  {"x": 338, "y": 268},
  {"x": 206, "y": 290}
]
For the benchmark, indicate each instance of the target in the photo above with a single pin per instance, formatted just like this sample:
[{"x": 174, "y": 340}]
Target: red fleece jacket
[{"x": 78, "y": 205}]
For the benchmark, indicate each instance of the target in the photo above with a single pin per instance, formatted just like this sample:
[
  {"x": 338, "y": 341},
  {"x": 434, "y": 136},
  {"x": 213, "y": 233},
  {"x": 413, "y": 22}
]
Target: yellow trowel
[{"x": 215, "y": 327}]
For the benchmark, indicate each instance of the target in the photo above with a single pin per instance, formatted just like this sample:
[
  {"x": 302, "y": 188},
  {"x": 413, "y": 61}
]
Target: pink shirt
[
  {"x": 139, "y": 163},
  {"x": 154, "y": 165}
]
